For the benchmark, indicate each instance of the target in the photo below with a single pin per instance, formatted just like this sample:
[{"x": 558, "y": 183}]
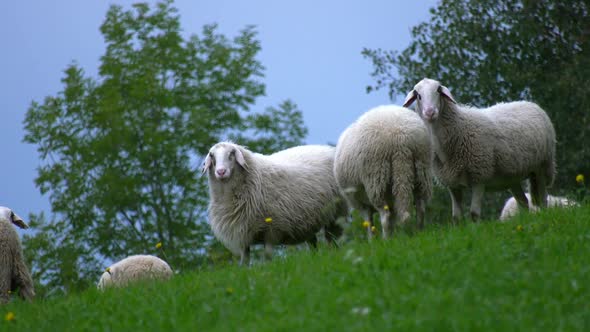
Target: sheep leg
[
  {"x": 313, "y": 242},
  {"x": 539, "y": 190},
  {"x": 456, "y": 200},
  {"x": 520, "y": 197},
  {"x": 420, "y": 211},
  {"x": 386, "y": 223},
  {"x": 367, "y": 215},
  {"x": 267, "y": 251},
  {"x": 245, "y": 256},
  {"x": 332, "y": 231},
  {"x": 477, "y": 192}
]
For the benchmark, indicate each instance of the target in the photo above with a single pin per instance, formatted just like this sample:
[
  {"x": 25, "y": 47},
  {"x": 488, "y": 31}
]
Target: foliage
[
  {"x": 527, "y": 274},
  {"x": 118, "y": 152},
  {"x": 489, "y": 51}
]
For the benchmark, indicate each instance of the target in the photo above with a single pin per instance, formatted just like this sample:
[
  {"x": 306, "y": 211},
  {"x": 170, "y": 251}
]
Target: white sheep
[
  {"x": 14, "y": 273},
  {"x": 494, "y": 148},
  {"x": 382, "y": 161},
  {"x": 134, "y": 268},
  {"x": 282, "y": 198},
  {"x": 510, "y": 208}
]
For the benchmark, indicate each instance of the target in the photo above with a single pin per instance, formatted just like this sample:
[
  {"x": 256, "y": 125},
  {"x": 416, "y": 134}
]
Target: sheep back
[
  {"x": 135, "y": 268},
  {"x": 385, "y": 145}
]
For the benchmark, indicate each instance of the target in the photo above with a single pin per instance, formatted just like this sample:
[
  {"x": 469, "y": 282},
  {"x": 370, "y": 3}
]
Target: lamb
[
  {"x": 494, "y": 148},
  {"x": 134, "y": 268},
  {"x": 511, "y": 207},
  {"x": 14, "y": 273},
  {"x": 382, "y": 161},
  {"x": 282, "y": 198}
]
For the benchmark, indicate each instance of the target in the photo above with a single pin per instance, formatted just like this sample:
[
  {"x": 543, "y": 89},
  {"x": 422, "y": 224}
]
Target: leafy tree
[
  {"x": 119, "y": 151},
  {"x": 489, "y": 51}
]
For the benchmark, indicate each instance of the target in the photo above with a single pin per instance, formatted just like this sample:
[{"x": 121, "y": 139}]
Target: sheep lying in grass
[
  {"x": 493, "y": 148},
  {"x": 134, "y": 268},
  {"x": 14, "y": 274},
  {"x": 382, "y": 161},
  {"x": 511, "y": 207},
  {"x": 282, "y": 198}
]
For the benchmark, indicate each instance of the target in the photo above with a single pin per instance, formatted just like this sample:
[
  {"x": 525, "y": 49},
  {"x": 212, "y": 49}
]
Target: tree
[
  {"x": 119, "y": 151},
  {"x": 489, "y": 51}
]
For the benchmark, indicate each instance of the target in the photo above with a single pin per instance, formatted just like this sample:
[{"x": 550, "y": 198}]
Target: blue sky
[{"x": 311, "y": 51}]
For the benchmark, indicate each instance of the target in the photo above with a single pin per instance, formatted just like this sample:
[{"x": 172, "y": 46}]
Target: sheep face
[
  {"x": 429, "y": 96},
  {"x": 8, "y": 214},
  {"x": 222, "y": 161}
]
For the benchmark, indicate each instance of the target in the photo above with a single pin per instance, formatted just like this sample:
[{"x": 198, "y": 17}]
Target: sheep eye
[
  {"x": 232, "y": 154},
  {"x": 417, "y": 95}
]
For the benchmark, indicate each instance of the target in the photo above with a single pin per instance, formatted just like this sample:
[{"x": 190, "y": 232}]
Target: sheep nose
[
  {"x": 429, "y": 112},
  {"x": 221, "y": 171}
]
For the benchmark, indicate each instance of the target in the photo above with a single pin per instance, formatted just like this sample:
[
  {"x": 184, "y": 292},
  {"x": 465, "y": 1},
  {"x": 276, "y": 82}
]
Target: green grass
[{"x": 489, "y": 276}]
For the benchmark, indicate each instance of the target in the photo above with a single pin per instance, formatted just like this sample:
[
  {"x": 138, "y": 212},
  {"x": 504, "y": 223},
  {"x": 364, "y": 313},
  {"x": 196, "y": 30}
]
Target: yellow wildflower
[
  {"x": 373, "y": 229},
  {"x": 10, "y": 316},
  {"x": 386, "y": 208},
  {"x": 158, "y": 245},
  {"x": 580, "y": 178},
  {"x": 519, "y": 228},
  {"x": 268, "y": 220},
  {"x": 366, "y": 224}
]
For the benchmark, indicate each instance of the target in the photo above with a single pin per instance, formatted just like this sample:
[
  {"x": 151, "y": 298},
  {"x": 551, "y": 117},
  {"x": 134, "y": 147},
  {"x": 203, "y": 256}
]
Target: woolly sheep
[
  {"x": 282, "y": 198},
  {"x": 494, "y": 148},
  {"x": 134, "y": 268},
  {"x": 382, "y": 160},
  {"x": 511, "y": 207},
  {"x": 14, "y": 273}
]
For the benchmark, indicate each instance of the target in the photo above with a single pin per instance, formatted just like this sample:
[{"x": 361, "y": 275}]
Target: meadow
[{"x": 531, "y": 273}]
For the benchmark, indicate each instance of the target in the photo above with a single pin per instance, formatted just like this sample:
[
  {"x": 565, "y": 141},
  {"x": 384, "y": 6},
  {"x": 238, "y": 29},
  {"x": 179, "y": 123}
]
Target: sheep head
[
  {"x": 8, "y": 214},
  {"x": 429, "y": 96},
  {"x": 222, "y": 160}
]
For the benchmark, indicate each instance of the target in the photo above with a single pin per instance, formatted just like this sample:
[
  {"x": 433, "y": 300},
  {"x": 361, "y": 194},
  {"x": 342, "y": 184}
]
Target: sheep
[
  {"x": 494, "y": 148},
  {"x": 282, "y": 198},
  {"x": 14, "y": 273},
  {"x": 134, "y": 268},
  {"x": 510, "y": 208},
  {"x": 382, "y": 160}
]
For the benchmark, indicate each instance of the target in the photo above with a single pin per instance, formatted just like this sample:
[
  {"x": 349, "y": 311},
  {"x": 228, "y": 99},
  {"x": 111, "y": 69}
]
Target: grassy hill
[{"x": 532, "y": 273}]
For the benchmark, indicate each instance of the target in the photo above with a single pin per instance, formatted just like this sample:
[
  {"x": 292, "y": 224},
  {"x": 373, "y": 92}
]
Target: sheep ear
[
  {"x": 410, "y": 98},
  {"x": 444, "y": 91},
  {"x": 240, "y": 158},
  {"x": 18, "y": 221},
  {"x": 207, "y": 164}
]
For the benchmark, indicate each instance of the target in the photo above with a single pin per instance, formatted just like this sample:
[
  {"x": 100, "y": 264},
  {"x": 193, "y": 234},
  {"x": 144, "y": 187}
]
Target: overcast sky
[{"x": 311, "y": 51}]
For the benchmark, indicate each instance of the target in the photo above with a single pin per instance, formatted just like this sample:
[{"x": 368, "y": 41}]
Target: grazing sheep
[
  {"x": 14, "y": 273},
  {"x": 382, "y": 161},
  {"x": 511, "y": 207},
  {"x": 134, "y": 268},
  {"x": 494, "y": 148},
  {"x": 282, "y": 198}
]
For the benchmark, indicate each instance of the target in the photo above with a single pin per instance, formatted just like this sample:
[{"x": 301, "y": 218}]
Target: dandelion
[
  {"x": 268, "y": 220},
  {"x": 519, "y": 228},
  {"x": 229, "y": 290},
  {"x": 366, "y": 224},
  {"x": 10, "y": 316},
  {"x": 158, "y": 245},
  {"x": 386, "y": 207},
  {"x": 580, "y": 178}
]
